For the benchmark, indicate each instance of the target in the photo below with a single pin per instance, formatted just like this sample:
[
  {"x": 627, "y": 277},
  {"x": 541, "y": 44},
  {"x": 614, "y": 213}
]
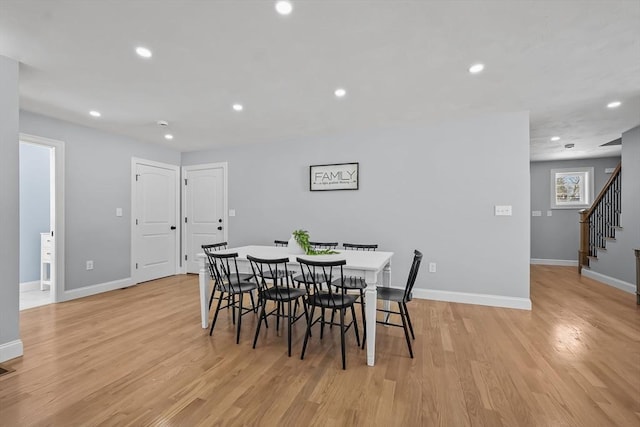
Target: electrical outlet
[
  {"x": 432, "y": 267},
  {"x": 89, "y": 265}
]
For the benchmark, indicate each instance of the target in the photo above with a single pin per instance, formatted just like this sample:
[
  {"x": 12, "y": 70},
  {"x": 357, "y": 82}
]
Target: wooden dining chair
[
  {"x": 402, "y": 297},
  {"x": 327, "y": 298}
]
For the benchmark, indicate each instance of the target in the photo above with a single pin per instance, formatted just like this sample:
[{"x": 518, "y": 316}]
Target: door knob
[
  {"x": 219, "y": 228},
  {"x": 220, "y": 220},
  {"x": 173, "y": 227}
]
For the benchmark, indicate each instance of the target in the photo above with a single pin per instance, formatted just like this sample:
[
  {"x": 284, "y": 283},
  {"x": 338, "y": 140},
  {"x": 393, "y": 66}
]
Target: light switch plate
[
  {"x": 536, "y": 213},
  {"x": 503, "y": 210},
  {"x": 549, "y": 213},
  {"x": 118, "y": 211},
  {"x": 232, "y": 212}
]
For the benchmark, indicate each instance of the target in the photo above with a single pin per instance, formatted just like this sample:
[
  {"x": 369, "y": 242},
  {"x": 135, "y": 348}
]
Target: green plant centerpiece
[{"x": 302, "y": 237}]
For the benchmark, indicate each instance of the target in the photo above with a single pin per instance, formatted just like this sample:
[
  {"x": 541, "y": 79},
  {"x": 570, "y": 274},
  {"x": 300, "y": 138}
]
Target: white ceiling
[{"x": 401, "y": 62}]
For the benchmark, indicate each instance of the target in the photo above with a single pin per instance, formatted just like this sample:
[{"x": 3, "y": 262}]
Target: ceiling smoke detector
[{"x": 163, "y": 123}]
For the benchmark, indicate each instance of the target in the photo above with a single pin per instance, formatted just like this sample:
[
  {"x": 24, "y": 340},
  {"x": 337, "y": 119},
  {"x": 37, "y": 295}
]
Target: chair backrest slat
[
  {"x": 223, "y": 268},
  {"x": 275, "y": 269},
  {"x": 317, "y": 273},
  {"x": 413, "y": 273}
]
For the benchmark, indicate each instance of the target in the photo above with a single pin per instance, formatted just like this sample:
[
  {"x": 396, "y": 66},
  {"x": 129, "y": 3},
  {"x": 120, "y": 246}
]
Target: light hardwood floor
[{"x": 138, "y": 357}]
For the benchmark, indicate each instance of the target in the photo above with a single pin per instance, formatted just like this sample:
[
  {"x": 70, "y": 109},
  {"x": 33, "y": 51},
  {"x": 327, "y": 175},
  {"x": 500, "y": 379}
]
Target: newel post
[{"x": 583, "y": 252}]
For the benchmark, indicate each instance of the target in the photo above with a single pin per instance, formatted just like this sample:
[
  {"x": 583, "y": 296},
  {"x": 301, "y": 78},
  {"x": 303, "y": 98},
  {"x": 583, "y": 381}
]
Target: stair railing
[{"x": 599, "y": 223}]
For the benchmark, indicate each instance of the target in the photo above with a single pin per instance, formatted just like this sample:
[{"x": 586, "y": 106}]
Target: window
[{"x": 571, "y": 188}]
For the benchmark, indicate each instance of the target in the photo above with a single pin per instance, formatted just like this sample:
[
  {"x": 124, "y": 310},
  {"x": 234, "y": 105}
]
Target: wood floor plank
[{"x": 138, "y": 357}]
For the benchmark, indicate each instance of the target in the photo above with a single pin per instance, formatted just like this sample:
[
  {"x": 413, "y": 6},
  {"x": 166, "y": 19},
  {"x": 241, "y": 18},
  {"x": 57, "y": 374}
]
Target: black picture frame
[{"x": 334, "y": 177}]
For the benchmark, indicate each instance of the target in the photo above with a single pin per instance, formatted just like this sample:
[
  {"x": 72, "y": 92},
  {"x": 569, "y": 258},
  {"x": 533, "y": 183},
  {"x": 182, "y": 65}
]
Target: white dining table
[{"x": 374, "y": 266}]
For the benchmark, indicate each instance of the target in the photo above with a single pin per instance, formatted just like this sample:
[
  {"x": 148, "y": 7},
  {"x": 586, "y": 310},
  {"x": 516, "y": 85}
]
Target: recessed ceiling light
[
  {"x": 284, "y": 7},
  {"x": 144, "y": 52},
  {"x": 95, "y": 113},
  {"x": 614, "y": 104},
  {"x": 238, "y": 107},
  {"x": 340, "y": 92},
  {"x": 476, "y": 68},
  {"x": 569, "y": 145},
  {"x": 555, "y": 138},
  {"x": 168, "y": 136}
]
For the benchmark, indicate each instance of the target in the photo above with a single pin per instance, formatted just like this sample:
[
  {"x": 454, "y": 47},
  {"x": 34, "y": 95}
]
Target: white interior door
[
  {"x": 155, "y": 216},
  {"x": 204, "y": 210}
]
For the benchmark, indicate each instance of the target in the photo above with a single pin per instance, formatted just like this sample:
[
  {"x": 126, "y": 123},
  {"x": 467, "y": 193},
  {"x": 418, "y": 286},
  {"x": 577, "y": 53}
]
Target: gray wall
[
  {"x": 431, "y": 188},
  {"x": 557, "y": 237},
  {"x": 97, "y": 180},
  {"x": 9, "y": 200},
  {"x": 619, "y": 260},
  {"x": 34, "y": 207}
]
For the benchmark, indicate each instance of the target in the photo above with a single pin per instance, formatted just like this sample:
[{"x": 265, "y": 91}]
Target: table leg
[
  {"x": 371, "y": 297},
  {"x": 203, "y": 281}
]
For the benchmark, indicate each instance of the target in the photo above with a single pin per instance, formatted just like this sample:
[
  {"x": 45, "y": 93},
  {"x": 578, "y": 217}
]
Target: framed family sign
[{"x": 339, "y": 176}]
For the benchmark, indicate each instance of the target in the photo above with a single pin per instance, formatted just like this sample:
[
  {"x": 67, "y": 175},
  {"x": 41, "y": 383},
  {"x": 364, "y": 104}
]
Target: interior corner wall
[
  {"x": 97, "y": 181},
  {"x": 10, "y": 344},
  {"x": 619, "y": 261},
  {"x": 429, "y": 188},
  {"x": 557, "y": 237},
  {"x": 35, "y": 213}
]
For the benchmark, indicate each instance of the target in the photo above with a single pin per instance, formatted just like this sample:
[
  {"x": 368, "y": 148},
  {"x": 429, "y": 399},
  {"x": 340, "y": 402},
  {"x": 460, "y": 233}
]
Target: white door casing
[
  {"x": 204, "y": 209},
  {"x": 155, "y": 212}
]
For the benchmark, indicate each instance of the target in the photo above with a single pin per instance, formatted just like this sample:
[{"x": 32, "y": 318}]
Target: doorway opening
[{"x": 41, "y": 219}]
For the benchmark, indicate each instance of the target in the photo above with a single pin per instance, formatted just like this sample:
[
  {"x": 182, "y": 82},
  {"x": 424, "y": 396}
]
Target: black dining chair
[
  {"x": 323, "y": 245},
  {"x": 357, "y": 284},
  {"x": 281, "y": 243},
  {"x": 359, "y": 247},
  {"x": 402, "y": 297},
  {"x": 214, "y": 247},
  {"x": 282, "y": 293},
  {"x": 327, "y": 298},
  {"x": 227, "y": 280}
]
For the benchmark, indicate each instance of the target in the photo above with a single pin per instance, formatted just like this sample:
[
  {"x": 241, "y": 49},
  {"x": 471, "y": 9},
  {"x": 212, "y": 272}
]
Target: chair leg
[
  {"x": 306, "y": 335},
  {"x": 403, "y": 316},
  {"x": 355, "y": 324},
  {"x": 239, "y": 318},
  {"x": 364, "y": 319},
  {"x": 289, "y": 331},
  {"x": 278, "y": 310},
  {"x": 262, "y": 316},
  {"x": 213, "y": 291},
  {"x": 322, "y": 324},
  {"x": 406, "y": 310},
  {"x": 215, "y": 316},
  {"x": 344, "y": 356},
  {"x": 231, "y": 302}
]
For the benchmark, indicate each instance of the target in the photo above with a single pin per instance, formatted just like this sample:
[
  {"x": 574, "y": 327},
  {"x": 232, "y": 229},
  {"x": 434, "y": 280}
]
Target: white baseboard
[
  {"x": 478, "y": 299},
  {"x": 11, "y": 350},
  {"x": 561, "y": 262},
  {"x": 611, "y": 281},
  {"x": 97, "y": 289},
  {"x": 30, "y": 286}
]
